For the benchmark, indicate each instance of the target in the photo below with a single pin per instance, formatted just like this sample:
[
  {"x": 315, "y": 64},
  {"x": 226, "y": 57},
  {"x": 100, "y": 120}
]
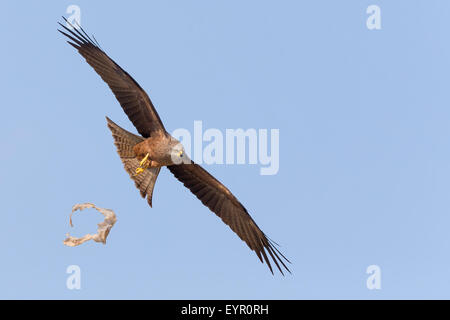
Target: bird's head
[{"x": 177, "y": 153}]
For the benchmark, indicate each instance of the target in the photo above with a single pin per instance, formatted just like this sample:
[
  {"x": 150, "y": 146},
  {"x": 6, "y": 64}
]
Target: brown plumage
[{"x": 163, "y": 150}]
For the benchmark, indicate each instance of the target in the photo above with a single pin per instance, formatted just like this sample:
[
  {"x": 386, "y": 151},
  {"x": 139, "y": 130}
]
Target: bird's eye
[{"x": 181, "y": 154}]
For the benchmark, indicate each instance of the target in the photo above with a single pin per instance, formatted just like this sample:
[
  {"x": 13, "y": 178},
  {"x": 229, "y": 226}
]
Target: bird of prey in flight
[{"x": 144, "y": 156}]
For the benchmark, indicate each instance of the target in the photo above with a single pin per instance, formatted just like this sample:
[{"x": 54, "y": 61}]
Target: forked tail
[{"x": 125, "y": 141}]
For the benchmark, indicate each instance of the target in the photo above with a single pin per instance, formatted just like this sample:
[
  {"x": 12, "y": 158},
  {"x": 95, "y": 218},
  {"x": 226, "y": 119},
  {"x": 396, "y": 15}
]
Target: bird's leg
[
  {"x": 154, "y": 164},
  {"x": 144, "y": 161},
  {"x": 144, "y": 164}
]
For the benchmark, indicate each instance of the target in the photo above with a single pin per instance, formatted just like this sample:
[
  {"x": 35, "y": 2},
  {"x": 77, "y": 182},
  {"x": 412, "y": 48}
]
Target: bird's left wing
[
  {"x": 213, "y": 194},
  {"x": 133, "y": 99}
]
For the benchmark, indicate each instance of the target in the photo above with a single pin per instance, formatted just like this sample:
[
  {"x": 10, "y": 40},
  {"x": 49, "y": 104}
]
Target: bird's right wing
[
  {"x": 224, "y": 204},
  {"x": 133, "y": 99}
]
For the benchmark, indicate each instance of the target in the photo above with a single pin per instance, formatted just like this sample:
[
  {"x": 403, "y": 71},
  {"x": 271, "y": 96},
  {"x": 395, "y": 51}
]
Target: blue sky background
[{"x": 364, "y": 148}]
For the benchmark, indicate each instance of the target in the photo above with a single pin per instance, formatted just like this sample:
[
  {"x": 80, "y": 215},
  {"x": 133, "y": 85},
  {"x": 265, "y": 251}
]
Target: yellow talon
[
  {"x": 139, "y": 171},
  {"x": 144, "y": 160},
  {"x": 142, "y": 165}
]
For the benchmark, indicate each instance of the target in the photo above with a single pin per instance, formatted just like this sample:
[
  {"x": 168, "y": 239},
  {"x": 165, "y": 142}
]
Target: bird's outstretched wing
[
  {"x": 133, "y": 99},
  {"x": 213, "y": 194}
]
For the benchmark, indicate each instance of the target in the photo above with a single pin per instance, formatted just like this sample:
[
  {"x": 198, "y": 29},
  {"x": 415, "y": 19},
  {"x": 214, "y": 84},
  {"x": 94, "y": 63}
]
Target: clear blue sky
[{"x": 364, "y": 148}]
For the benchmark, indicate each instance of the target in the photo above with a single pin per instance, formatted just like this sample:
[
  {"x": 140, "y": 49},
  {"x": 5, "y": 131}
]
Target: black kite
[{"x": 143, "y": 156}]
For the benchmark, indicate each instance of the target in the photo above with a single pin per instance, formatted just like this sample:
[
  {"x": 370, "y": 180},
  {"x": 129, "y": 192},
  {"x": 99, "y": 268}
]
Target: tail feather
[{"x": 125, "y": 141}]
